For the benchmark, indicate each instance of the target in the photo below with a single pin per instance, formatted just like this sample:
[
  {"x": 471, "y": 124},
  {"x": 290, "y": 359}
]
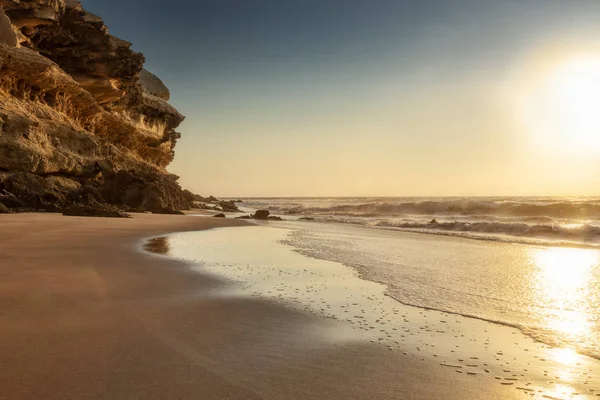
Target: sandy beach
[
  {"x": 407, "y": 197},
  {"x": 87, "y": 315}
]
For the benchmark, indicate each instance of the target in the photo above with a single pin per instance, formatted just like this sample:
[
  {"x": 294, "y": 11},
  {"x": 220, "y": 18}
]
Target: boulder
[
  {"x": 244, "y": 217},
  {"x": 10, "y": 200},
  {"x": 204, "y": 206},
  {"x": 169, "y": 211},
  {"x": 8, "y": 36},
  {"x": 220, "y": 215},
  {"x": 80, "y": 210},
  {"x": 192, "y": 197},
  {"x": 306, "y": 219},
  {"x": 261, "y": 214},
  {"x": 274, "y": 218},
  {"x": 228, "y": 206},
  {"x": 37, "y": 192},
  {"x": 144, "y": 192}
]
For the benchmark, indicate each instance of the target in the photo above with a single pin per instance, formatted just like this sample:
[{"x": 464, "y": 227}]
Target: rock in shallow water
[
  {"x": 261, "y": 214},
  {"x": 228, "y": 206}
]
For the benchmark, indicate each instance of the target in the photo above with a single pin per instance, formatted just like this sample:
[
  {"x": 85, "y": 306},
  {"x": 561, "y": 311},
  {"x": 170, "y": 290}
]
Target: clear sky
[{"x": 374, "y": 97}]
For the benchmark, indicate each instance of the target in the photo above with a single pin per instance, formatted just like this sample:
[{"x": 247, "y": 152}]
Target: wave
[
  {"x": 559, "y": 209},
  {"x": 583, "y": 236},
  {"x": 584, "y": 232},
  {"x": 537, "y": 332}
]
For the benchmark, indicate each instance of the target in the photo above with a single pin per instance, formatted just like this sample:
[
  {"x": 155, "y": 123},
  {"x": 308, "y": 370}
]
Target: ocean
[
  {"x": 569, "y": 221},
  {"x": 530, "y": 263}
]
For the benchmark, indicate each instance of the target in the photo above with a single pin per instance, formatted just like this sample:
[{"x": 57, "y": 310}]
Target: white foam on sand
[{"x": 258, "y": 264}]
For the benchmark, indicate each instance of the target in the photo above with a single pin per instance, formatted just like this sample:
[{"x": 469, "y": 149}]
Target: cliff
[{"x": 82, "y": 124}]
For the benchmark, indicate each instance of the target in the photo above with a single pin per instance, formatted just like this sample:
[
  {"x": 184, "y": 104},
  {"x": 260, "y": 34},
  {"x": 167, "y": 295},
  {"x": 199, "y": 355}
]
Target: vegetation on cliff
[{"x": 81, "y": 122}]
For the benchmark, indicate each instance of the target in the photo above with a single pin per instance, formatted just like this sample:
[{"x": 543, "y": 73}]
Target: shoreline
[
  {"x": 109, "y": 322},
  {"x": 525, "y": 362},
  {"x": 536, "y": 332}
]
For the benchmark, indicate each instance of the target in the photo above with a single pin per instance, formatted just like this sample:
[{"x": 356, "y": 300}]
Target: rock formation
[
  {"x": 261, "y": 214},
  {"x": 81, "y": 122}
]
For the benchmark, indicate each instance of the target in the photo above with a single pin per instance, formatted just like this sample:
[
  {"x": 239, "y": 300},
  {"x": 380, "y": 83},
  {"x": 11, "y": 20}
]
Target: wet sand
[
  {"x": 84, "y": 314},
  {"x": 259, "y": 262}
]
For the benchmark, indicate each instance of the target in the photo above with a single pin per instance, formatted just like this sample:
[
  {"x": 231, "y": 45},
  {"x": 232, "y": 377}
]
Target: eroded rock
[
  {"x": 8, "y": 36},
  {"x": 153, "y": 85},
  {"x": 81, "y": 122}
]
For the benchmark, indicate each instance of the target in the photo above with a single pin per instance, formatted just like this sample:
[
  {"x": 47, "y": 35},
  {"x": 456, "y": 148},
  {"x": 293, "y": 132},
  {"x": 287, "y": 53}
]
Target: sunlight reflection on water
[{"x": 563, "y": 277}]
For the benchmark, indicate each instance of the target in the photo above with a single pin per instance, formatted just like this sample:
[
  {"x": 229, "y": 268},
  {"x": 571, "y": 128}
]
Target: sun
[
  {"x": 578, "y": 97},
  {"x": 561, "y": 105}
]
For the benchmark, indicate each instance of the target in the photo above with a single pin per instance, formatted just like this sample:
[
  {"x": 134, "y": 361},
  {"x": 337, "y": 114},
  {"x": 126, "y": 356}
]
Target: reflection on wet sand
[
  {"x": 258, "y": 261},
  {"x": 562, "y": 282},
  {"x": 159, "y": 245}
]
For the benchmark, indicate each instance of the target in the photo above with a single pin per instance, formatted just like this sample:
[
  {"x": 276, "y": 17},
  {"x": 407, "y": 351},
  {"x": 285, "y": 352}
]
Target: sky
[{"x": 374, "y": 97}]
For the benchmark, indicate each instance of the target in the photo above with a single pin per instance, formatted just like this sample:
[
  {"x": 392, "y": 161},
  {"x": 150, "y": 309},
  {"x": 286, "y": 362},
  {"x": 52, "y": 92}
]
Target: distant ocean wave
[
  {"x": 561, "y": 209},
  {"x": 496, "y": 232},
  {"x": 576, "y": 232},
  {"x": 545, "y": 221}
]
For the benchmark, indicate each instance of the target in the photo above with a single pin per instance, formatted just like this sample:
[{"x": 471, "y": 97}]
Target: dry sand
[{"x": 85, "y": 315}]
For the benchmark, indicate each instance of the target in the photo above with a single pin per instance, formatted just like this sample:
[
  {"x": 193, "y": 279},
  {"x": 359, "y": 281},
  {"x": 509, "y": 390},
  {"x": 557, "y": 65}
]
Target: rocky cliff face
[{"x": 81, "y": 121}]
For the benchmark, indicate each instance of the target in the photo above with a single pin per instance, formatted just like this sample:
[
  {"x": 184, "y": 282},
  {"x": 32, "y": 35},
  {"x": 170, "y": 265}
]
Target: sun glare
[
  {"x": 563, "y": 278},
  {"x": 561, "y": 106}
]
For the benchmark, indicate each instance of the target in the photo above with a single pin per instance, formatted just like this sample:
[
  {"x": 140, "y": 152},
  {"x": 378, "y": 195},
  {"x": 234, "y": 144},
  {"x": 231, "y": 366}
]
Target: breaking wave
[
  {"x": 564, "y": 210},
  {"x": 550, "y": 220},
  {"x": 567, "y": 232}
]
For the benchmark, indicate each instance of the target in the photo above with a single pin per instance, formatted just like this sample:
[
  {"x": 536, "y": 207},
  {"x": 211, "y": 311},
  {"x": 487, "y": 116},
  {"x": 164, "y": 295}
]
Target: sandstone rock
[
  {"x": 10, "y": 200},
  {"x": 275, "y": 218},
  {"x": 306, "y": 219},
  {"x": 169, "y": 211},
  {"x": 33, "y": 13},
  {"x": 192, "y": 197},
  {"x": 228, "y": 206},
  {"x": 220, "y": 215},
  {"x": 145, "y": 192},
  {"x": 40, "y": 193},
  {"x": 76, "y": 125},
  {"x": 153, "y": 85},
  {"x": 80, "y": 210},
  {"x": 8, "y": 36},
  {"x": 261, "y": 214}
]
